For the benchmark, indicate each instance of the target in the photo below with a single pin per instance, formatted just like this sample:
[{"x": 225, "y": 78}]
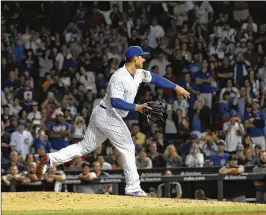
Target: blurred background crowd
[{"x": 57, "y": 59}]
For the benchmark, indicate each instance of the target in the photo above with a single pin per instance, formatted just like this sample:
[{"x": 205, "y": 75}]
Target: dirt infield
[{"x": 74, "y": 203}]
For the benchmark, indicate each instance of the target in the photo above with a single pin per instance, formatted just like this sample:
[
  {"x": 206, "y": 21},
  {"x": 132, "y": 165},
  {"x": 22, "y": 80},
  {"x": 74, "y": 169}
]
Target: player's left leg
[{"x": 117, "y": 132}]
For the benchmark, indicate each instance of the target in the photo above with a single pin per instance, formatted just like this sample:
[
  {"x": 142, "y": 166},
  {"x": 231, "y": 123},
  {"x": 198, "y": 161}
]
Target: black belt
[{"x": 102, "y": 107}]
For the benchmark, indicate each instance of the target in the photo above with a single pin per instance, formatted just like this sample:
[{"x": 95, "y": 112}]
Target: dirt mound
[{"x": 36, "y": 201}]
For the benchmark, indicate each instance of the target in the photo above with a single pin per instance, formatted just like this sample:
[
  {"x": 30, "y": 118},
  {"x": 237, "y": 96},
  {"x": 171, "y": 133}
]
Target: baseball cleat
[
  {"x": 43, "y": 165},
  {"x": 138, "y": 193}
]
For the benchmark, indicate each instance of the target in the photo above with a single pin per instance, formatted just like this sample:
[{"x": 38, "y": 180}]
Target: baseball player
[{"x": 107, "y": 119}]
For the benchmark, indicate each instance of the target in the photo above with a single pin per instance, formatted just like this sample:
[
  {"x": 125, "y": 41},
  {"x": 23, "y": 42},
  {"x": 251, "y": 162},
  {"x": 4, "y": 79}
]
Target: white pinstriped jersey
[{"x": 124, "y": 86}]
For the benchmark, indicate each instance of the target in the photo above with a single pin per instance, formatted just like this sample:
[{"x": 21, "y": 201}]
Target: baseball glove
[{"x": 156, "y": 114}]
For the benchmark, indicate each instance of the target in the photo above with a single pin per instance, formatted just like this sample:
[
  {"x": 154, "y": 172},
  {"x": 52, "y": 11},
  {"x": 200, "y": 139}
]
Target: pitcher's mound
[{"x": 73, "y": 203}]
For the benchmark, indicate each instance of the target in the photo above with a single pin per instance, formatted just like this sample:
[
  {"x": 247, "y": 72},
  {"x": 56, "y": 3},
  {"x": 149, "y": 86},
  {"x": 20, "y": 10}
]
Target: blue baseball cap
[
  {"x": 233, "y": 113},
  {"x": 194, "y": 136},
  {"x": 133, "y": 51}
]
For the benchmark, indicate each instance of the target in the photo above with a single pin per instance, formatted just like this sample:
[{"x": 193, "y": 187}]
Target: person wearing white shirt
[
  {"x": 250, "y": 22},
  {"x": 15, "y": 108},
  {"x": 232, "y": 90},
  {"x": 203, "y": 9},
  {"x": 194, "y": 158},
  {"x": 161, "y": 62},
  {"x": 104, "y": 165},
  {"x": 181, "y": 104},
  {"x": 262, "y": 76},
  {"x": 87, "y": 79},
  {"x": 170, "y": 127},
  {"x": 181, "y": 12},
  {"x": 21, "y": 140},
  {"x": 114, "y": 54},
  {"x": 234, "y": 131},
  {"x": 155, "y": 32},
  {"x": 35, "y": 116}
]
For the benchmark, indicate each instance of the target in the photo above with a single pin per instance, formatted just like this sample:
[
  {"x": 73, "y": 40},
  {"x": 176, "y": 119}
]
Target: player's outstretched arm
[{"x": 163, "y": 82}]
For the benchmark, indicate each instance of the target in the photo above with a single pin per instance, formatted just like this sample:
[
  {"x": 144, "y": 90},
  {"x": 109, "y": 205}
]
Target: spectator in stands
[
  {"x": 118, "y": 165},
  {"x": 152, "y": 192},
  {"x": 157, "y": 158},
  {"x": 86, "y": 176},
  {"x": 200, "y": 195},
  {"x": 12, "y": 82},
  {"x": 21, "y": 140},
  {"x": 112, "y": 158},
  {"x": 225, "y": 106},
  {"x": 224, "y": 74},
  {"x": 15, "y": 108},
  {"x": 13, "y": 178},
  {"x": 5, "y": 116},
  {"x": 55, "y": 177},
  {"x": 173, "y": 159},
  {"x": 175, "y": 188},
  {"x": 220, "y": 157},
  {"x": 14, "y": 161},
  {"x": 93, "y": 156},
  {"x": 240, "y": 70},
  {"x": 169, "y": 76},
  {"x": 257, "y": 150},
  {"x": 196, "y": 118},
  {"x": 181, "y": 104},
  {"x": 234, "y": 131},
  {"x": 101, "y": 188},
  {"x": 79, "y": 127},
  {"x": 140, "y": 137},
  {"x": 5, "y": 142},
  {"x": 243, "y": 102},
  {"x": 30, "y": 175},
  {"x": 41, "y": 141},
  {"x": 59, "y": 131},
  {"x": 142, "y": 161},
  {"x": 233, "y": 92},
  {"x": 256, "y": 128},
  {"x": 35, "y": 116},
  {"x": 104, "y": 165},
  {"x": 233, "y": 192},
  {"x": 77, "y": 164},
  {"x": 254, "y": 82},
  {"x": 29, "y": 159},
  {"x": 250, "y": 159},
  {"x": 194, "y": 158},
  {"x": 204, "y": 79},
  {"x": 191, "y": 87},
  {"x": 161, "y": 62},
  {"x": 260, "y": 184},
  {"x": 208, "y": 146},
  {"x": 160, "y": 141},
  {"x": 156, "y": 31},
  {"x": 247, "y": 142}
]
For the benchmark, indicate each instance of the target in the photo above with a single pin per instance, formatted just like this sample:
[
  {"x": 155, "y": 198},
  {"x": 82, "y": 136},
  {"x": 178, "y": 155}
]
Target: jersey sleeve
[
  {"x": 117, "y": 90},
  {"x": 146, "y": 76}
]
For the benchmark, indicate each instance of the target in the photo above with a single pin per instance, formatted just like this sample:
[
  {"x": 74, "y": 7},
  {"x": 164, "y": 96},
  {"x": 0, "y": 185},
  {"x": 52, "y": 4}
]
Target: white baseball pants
[{"x": 104, "y": 124}]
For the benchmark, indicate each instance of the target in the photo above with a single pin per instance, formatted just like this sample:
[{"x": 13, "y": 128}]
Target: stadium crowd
[{"x": 57, "y": 59}]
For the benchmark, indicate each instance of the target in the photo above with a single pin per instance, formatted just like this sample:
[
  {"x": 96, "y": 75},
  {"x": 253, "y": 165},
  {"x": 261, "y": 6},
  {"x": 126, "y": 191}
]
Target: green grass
[{"x": 224, "y": 210}]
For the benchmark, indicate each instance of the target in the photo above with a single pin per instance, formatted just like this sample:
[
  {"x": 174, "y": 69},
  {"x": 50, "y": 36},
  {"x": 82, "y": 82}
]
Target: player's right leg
[{"x": 92, "y": 138}]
